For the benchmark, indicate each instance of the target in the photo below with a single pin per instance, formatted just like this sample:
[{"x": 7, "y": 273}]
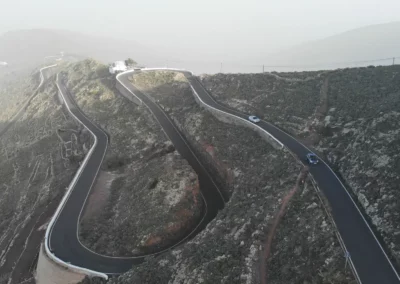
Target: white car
[{"x": 254, "y": 118}]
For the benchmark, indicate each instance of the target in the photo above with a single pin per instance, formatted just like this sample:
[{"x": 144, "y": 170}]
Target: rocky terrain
[
  {"x": 260, "y": 180},
  {"x": 147, "y": 196},
  {"x": 39, "y": 155},
  {"x": 350, "y": 116},
  {"x": 273, "y": 229},
  {"x": 260, "y": 94},
  {"x": 14, "y": 90}
]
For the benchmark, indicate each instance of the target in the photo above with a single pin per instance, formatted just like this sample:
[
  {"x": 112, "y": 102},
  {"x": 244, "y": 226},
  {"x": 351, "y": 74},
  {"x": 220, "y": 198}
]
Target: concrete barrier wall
[
  {"x": 166, "y": 69},
  {"x": 220, "y": 115},
  {"x": 49, "y": 272},
  {"x": 49, "y": 253},
  {"x": 235, "y": 120},
  {"x": 125, "y": 92}
]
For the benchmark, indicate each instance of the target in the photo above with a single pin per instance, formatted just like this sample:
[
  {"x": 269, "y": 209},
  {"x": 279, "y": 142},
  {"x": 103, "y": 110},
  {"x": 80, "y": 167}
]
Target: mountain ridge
[{"x": 361, "y": 44}]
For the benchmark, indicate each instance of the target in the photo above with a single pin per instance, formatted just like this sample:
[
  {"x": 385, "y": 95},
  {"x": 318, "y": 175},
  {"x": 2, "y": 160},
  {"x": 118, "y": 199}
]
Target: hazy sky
[{"x": 214, "y": 29}]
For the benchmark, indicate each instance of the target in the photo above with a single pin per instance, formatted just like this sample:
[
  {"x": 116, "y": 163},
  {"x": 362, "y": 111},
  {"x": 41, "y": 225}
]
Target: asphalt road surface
[
  {"x": 370, "y": 261},
  {"x": 63, "y": 240},
  {"x": 368, "y": 257}
]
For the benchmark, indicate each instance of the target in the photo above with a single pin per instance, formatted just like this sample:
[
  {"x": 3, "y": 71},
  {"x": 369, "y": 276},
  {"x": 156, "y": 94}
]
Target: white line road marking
[
  {"x": 275, "y": 139},
  {"x": 64, "y": 200},
  {"x": 343, "y": 187},
  {"x": 71, "y": 187}
]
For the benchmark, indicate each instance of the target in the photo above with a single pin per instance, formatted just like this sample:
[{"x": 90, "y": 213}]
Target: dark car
[{"x": 312, "y": 158}]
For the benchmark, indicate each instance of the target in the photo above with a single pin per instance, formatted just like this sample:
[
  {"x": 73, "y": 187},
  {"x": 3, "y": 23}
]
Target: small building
[{"x": 117, "y": 66}]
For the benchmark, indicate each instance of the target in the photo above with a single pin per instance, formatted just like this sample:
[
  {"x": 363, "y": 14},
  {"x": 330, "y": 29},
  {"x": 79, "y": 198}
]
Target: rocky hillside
[
  {"x": 14, "y": 90},
  {"x": 240, "y": 244},
  {"x": 39, "y": 155},
  {"x": 350, "y": 116},
  {"x": 147, "y": 195}
]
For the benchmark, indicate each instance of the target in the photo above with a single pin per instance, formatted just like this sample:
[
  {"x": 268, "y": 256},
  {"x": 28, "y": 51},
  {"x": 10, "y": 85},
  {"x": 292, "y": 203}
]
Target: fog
[{"x": 185, "y": 33}]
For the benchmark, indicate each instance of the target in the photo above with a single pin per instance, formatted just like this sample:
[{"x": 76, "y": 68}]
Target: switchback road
[{"x": 63, "y": 241}]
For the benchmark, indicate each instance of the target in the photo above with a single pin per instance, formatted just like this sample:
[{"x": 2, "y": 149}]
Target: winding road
[
  {"x": 62, "y": 239},
  {"x": 365, "y": 254},
  {"x": 370, "y": 262}
]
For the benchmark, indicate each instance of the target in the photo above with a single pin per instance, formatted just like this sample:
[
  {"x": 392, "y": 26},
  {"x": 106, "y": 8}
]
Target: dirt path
[
  {"x": 277, "y": 219},
  {"x": 99, "y": 195},
  {"x": 319, "y": 115}
]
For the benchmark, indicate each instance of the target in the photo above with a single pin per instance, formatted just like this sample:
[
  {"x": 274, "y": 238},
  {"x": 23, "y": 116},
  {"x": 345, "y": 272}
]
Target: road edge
[{"x": 62, "y": 203}]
